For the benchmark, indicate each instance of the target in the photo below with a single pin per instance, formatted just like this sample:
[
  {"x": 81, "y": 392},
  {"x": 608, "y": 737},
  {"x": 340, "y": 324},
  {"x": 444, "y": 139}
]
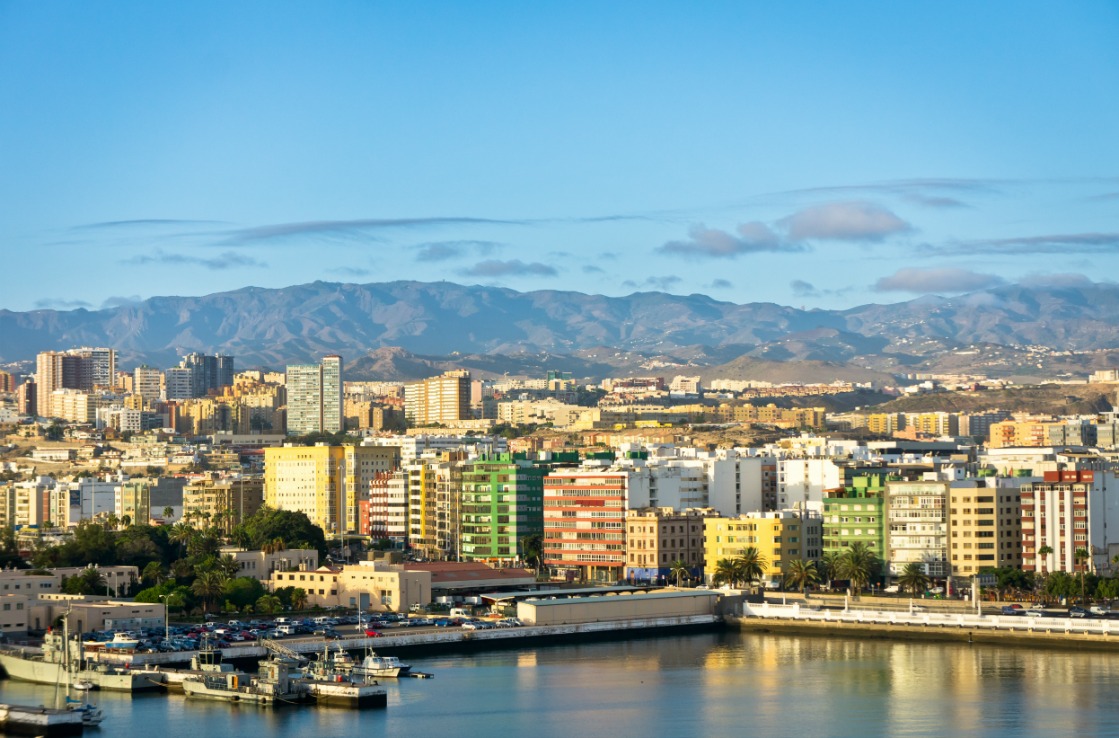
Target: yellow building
[
  {"x": 325, "y": 482},
  {"x": 778, "y": 537}
]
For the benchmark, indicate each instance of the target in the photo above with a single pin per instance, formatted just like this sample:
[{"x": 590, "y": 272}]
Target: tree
[
  {"x": 752, "y": 565},
  {"x": 532, "y": 550},
  {"x": 154, "y": 573},
  {"x": 168, "y": 513},
  {"x": 1081, "y": 556},
  {"x": 291, "y": 529},
  {"x": 268, "y": 604},
  {"x": 1044, "y": 553},
  {"x": 242, "y": 592},
  {"x": 800, "y": 574},
  {"x": 858, "y": 564},
  {"x": 182, "y": 534},
  {"x": 829, "y": 566},
  {"x": 209, "y": 585},
  {"x": 726, "y": 572},
  {"x": 89, "y": 582},
  {"x": 913, "y": 579},
  {"x": 679, "y": 570},
  {"x": 298, "y": 598},
  {"x": 228, "y": 565}
]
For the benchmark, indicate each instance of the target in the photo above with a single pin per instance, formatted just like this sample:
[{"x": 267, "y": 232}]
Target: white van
[
  {"x": 458, "y": 612},
  {"x": 286, "y": 629}
]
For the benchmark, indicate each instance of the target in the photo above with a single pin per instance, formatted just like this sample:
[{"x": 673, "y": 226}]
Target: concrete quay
[
  {"x": 441, "y": 638},
  {"x": 966, "y": 627}
]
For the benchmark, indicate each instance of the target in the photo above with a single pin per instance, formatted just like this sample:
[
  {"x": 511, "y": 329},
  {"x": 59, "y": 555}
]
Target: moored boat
[
  {"x": 48, "y": 665},
  {"x": 331, "y": 681},
  {"x": 381, "y": 667},
  {"x": 272, "y": 687}
]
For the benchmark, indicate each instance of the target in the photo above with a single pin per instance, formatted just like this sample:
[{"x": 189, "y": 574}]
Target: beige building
[
  {"x": 369, "y": 586},
  {"x": 263, "y": 564},
  {"x": 224, "y": 501},
  {"x": 985, "y": 526},
  {"x": 444, "y": 399},
  {"x": 21, "y": 581},
  {"x": 656, "y": 538},
  {"x": 325, "y": 482}
]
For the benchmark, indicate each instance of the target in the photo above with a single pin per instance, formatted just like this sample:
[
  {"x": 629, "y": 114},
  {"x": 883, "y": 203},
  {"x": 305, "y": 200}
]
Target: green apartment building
[
  {"x": 856, "y": 514},
  {"x": 502, "y": 503}
]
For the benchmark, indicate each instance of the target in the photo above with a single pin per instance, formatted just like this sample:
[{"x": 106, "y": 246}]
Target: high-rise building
[
  {"x": 208, "y": 372},
  {"x": 502, "y": 503},
  {"x": 442, "y": 399},
  {"x": 80, "y": 369},
  {"x": 147, "y": 382},
  {"x": 314, "y": 396},
  {"x": 325, "y": 482},
  {"x": 179, "y": 383}
]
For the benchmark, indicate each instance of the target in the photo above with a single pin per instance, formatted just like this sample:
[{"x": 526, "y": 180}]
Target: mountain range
[{"x": 406, "y": 329}]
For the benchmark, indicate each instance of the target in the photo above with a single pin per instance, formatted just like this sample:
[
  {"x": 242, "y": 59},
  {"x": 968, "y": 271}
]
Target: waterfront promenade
[{"x": 955, "y": 621}]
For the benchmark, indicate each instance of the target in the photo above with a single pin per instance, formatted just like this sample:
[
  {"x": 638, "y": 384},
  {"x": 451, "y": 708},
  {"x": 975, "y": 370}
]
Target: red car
[{"x": 370, "y": 633}]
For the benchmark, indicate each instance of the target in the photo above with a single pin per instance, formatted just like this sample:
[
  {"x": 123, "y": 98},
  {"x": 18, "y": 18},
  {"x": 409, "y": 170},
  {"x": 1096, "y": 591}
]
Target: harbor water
[{"x": 713, "y": 684}]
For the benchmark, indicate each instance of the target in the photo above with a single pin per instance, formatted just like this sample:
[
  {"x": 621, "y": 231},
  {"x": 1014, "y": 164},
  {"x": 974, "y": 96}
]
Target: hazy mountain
[{"x": 448, "y": 323}]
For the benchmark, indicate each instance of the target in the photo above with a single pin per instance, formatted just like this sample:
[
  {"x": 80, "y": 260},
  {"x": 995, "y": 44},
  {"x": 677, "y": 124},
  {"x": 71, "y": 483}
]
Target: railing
[{"x": 1004, "y": 623}]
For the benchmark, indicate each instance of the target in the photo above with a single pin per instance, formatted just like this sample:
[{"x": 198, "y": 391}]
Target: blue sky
[{"x": 823, "y": 154}]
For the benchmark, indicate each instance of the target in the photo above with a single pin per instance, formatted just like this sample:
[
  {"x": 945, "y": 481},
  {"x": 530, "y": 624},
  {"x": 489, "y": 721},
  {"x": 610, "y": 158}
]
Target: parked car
[
  {"x": 370, "y": 633},
  {"x": 1012, "y": 610},
  {"x": 1077, "y": 612},
  {"x": 1034, "y": 613}
]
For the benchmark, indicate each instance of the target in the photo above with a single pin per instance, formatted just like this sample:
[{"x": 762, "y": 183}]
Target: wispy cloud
[
  {"x": 949, "y": 279},
  {"x": 753, "y": 237},
  {"x": 511, "y": 268},
  {"x": 1058, "y": 243},
  {"x": 350, "y": 271},
  {"x": 844, "y": 221},
  {"x": 361, "y": 229},
  {"x": 114, "y": 302},
  {"x": 226, "y": 260},
  {"x": 719, "y": 284},
  {"x": 445, "y": 250},
  {"x": 803, "y": 289},
  {"x": 1105, "y": 197},
  {"x": 592, "y": 269},
  {"x": 658, "y": 283},
  {"x": 146, "y": 223},
  {"x": 1068, "y": 279},
  {"x": 54, "y": 303}
]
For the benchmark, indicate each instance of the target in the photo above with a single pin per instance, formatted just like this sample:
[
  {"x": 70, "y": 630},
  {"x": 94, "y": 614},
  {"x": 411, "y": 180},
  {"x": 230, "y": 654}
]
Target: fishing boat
[
  {"x": 381, "y": 667},
  {"x": 121, "y": 641}
]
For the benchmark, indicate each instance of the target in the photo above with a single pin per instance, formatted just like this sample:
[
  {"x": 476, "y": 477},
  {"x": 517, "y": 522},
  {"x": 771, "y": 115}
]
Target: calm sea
[{"x": 724, "y": 684}]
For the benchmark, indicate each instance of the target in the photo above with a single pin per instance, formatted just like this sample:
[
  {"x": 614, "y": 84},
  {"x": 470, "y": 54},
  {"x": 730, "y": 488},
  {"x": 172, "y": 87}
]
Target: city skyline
[{"x": 805, "y": 155}]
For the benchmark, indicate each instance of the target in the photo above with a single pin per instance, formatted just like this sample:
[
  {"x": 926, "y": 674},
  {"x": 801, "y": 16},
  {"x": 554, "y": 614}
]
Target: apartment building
[
  {"x": 502, "y": 503},
  {"x": 985, "y": 525},
  {"x": 658, "y": 537}
]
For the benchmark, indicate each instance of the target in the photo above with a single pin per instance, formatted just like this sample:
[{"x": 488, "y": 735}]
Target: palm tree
[
  {"x": 913, "y": 579},
  {"x": 858, "y": 564},
  {"x": 168, "y": 513},
  {"x": 182, "y": 534},
  {"x": 228, "y": 566},
  {"x": 800, "y": 574},
  {"x": 828, "y": 566},
  {"x": 1043, "y": 553},
  {"x": 1081, "y": 556},
  {"x": 298, "y": 598},
  {"x": 209, "y": 586},
  {"x": 752, "y": 565},
  {"x": 679, "y": 570},
  {"x": 726, "y": 572},
  {"x": 154, "y": 572},
  {"x": 268, "y": 604}
]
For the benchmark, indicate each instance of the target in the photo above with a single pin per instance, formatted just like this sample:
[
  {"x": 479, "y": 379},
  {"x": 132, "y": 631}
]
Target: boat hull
[
  {"x": 23, "y": 720},
  {"x": 346, "y": 694},
  {"x": 39, "y": 671}
]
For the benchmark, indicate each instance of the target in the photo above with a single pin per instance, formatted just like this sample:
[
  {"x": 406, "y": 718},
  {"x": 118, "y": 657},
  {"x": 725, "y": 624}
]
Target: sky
[{"x": 813, "y": 154}]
